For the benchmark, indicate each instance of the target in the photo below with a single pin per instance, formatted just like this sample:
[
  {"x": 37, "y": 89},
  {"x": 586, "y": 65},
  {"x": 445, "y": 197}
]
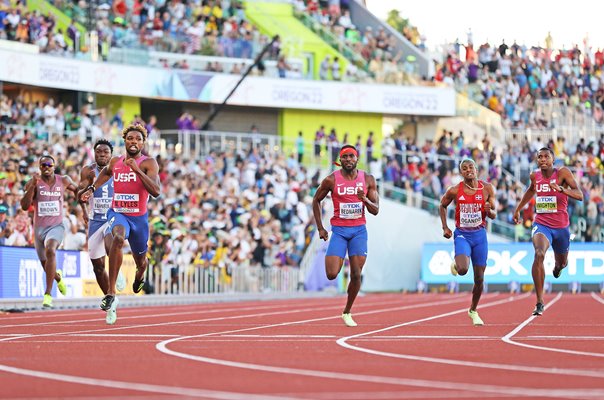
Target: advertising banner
[
  {"x": 512, "y": 262},
  {"x": 117, "y": 79},
  {"x": 22, "y": 276}
]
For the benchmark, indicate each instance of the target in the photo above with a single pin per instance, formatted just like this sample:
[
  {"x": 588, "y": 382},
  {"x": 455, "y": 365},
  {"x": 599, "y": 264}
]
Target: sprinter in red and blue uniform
[
  {"x": 135, "y": 177},
  {"x": 474, "y": 202},
  {"x": 553, "y": 187},
  {"x": 352, "y": 191}
]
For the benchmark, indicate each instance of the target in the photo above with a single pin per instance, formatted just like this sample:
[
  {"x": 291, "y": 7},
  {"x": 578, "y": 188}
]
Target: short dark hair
[
  {"x": 547, "y": 149},
  {"x": 135, "y": 128},
  {"x": 48, "y": 156},
  {"x": 101, "y": 142}
]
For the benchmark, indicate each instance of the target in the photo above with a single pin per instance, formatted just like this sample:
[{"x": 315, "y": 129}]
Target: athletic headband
[{"x": 347, "y": 150}]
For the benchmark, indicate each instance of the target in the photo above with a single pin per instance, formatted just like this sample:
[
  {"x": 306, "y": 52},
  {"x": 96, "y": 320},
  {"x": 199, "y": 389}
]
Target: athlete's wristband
[{"x": 91, "y": 187}]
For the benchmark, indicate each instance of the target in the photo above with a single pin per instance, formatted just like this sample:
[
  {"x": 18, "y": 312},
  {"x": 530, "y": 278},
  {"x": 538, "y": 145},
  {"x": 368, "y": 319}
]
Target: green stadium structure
[
  {"x": 297, "y": 40},
  {"x": 63, "y": 21}
]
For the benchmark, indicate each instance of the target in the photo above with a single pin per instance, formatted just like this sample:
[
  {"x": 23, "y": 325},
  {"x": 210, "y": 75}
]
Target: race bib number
[
  {"x": 351, "y": 210},
  {"x": 470, "y": 215},
  {"x": 546, "y": 204},
  {"x": 470, "y": 220},
  {"x": 126, "y": 203},
  {"x": 49, "y": 208},
  {"x": 101, "y": 205}
]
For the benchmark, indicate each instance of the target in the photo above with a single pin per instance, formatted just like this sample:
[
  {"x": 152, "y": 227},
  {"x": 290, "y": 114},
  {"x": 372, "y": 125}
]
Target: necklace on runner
[{"x": 470, "y": 187}]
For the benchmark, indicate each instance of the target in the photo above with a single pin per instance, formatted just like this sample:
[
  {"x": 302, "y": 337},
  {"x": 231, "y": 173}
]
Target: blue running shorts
[
  {"x": 136, "y": 229},
  {"x": 559, "y": 238},
  {"x": 348, "y": 238},
  {"x": 472, "y": 244}
]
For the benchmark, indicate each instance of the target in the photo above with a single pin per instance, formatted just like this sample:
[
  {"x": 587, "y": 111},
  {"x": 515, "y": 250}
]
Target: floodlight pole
[{"x": 257, "y": 60}]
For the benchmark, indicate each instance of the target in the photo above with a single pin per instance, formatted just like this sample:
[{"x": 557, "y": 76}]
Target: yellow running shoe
[
  {"x": 61, "y": 283},
  {"x": 475, "y": 318},
  {"x": 47, "y": 302},
  {"x": 453, "y": 269},
  {"x": 347, "y": 317}
]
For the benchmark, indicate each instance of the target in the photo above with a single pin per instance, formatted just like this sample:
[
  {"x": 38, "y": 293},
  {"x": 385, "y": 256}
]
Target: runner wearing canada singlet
[
  {"x": 352, "y": 191},
  {"x": 551, "y": 226},
  {"x": 474, "y": 201},
  {"x": 135, "y": 177},
  {"x": 46, "y": 193}
]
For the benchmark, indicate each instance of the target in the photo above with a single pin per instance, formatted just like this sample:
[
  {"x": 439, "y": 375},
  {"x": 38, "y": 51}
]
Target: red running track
[{"x": 405, "y": 347}]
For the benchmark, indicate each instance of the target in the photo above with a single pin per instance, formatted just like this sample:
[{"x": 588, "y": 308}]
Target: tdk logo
[
  {"x": 125, "y": 197},
  {"x": 125, "y": 177}
]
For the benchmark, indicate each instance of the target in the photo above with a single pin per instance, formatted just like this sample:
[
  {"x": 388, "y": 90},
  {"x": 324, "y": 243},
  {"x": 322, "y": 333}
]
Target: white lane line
[
  {"x": 141, "y": 387},
  {"x": 189, "y": 322},
  {"x": 187, "y": 391},
  {"x": 597, "y": 298},
  {"x": 174, "y": 314},
  {"x": 508, "y": 338},
  {"x": 515, "y": 391},
  {"x": 508, "y": 367}
]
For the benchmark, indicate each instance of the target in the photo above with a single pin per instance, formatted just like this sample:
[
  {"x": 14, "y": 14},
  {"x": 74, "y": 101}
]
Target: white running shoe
[
  {"x": 112, "y": 312},
  {"x": 453, "y": 269},
  {"x": 347, "y": 317},
  {"x": 120, "y": 283}
]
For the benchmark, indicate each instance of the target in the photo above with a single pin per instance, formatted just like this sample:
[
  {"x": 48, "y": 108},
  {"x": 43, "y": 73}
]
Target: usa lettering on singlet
[
  {"x": 348, "y": 209},
  {"x": 469, "y": 213},
  {"x": 129, "y": 194},
  {"x": 101, "y": 200},
  {"x": 48, "y": 203},
  {"x": 550, "y": 205}
]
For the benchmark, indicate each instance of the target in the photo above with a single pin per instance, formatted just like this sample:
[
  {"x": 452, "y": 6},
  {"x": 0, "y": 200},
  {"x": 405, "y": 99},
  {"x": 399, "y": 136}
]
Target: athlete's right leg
[
  {"x": 336, "y": 252},
  {"x": 463, "y": 250},
  {"x": 541, "y": 244},
  {"x": 50, "y": 265},
  {"x": 333, "y": 266},
  {"x": 115, "y": 255}
]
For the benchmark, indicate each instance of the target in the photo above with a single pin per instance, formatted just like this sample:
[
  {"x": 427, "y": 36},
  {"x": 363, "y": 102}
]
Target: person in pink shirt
[
  {"x": 553, "y": 187},
  {"x": 352, "y": 191},
  {"x": 135, "y": 177},
  {"x": 46, "y": 192}
]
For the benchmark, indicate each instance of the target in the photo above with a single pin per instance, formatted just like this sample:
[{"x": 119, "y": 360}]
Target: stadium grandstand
[{"x": 246, "y": 106}]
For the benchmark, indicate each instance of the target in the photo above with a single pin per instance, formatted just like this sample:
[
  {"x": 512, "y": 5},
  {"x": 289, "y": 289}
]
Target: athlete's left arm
[
  {"x": 149, "y": 174},
  {"x": 491, "y": 201},
  {"x": 567, "y": 184},
  {"x": 372, "y": 199}
]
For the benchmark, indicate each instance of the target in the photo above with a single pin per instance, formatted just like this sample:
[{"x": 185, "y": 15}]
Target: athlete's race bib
[
  {"x": 470, "y": 220},
  {"x": 101, "y": 205},
  {"x": 470, "y": 215},
  {"x": 49, "y": 208},
  {"x": 351, "y": 210},
  {"x": 126, "y": 203},
  {"x": 546, "y": 204}
]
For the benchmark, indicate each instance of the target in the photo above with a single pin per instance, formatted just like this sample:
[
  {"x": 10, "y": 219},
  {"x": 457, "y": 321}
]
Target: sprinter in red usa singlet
[
  {"x": 352, "y": 191},
  {"x": 553, "y": 187},
  {"x": 135, "y": 177}
]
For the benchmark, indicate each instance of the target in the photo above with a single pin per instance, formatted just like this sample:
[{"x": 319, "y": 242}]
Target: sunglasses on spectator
[{"x": 47, "y": 164}]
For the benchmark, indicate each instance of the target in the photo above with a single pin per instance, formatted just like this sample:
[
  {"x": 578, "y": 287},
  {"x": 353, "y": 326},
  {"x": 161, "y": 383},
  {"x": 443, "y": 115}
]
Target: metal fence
[{"x": 236, "y": 279}]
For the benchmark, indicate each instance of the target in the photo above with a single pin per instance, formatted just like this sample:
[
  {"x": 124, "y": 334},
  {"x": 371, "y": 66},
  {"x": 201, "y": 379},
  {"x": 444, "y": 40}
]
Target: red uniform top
[
  {"x": 130, "y": 196},
  {"x": 469, "y": 211},
  {"x": 48, "y": 204},
  {"x": 348, "y": 210},
  {"x": 550, "y": 205}
]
